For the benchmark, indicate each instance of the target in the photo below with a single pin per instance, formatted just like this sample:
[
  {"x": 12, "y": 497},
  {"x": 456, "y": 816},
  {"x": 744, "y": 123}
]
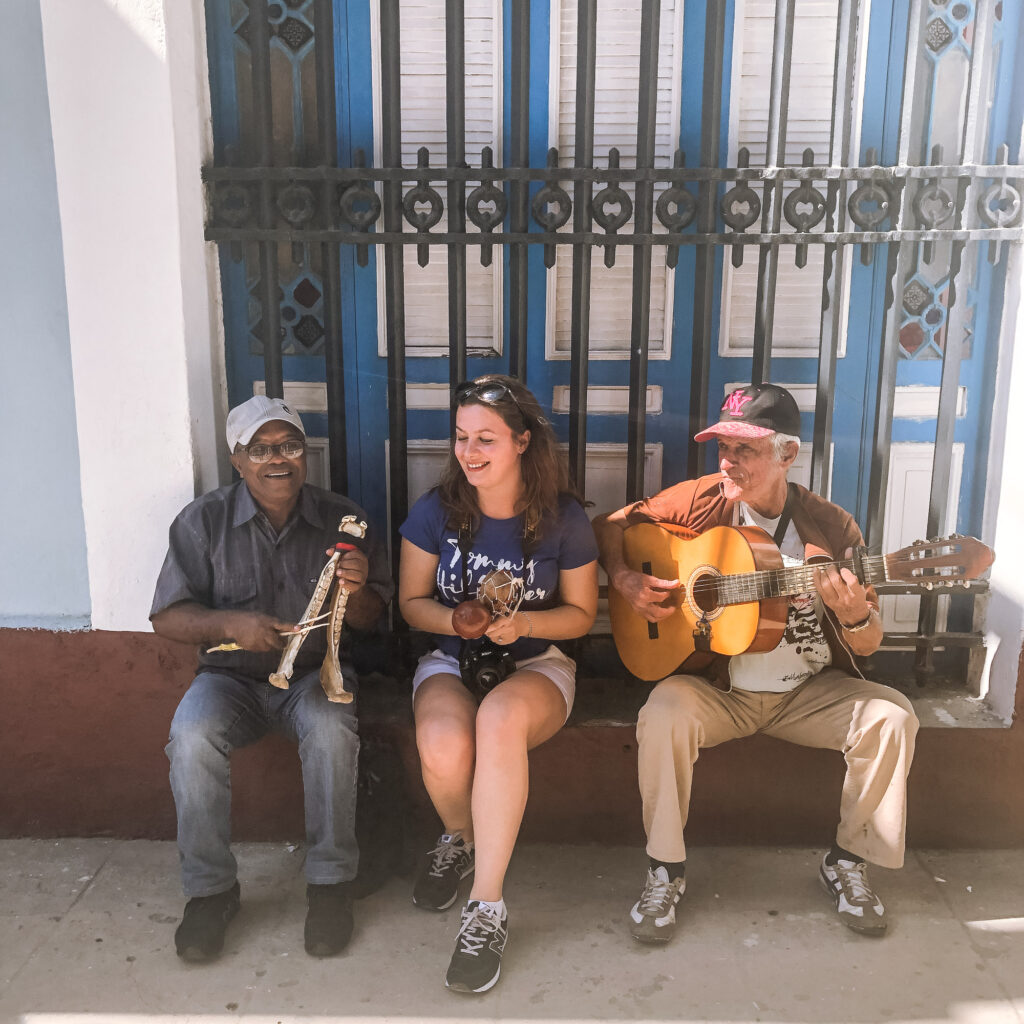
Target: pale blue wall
[{"x": 43, "y": 572}]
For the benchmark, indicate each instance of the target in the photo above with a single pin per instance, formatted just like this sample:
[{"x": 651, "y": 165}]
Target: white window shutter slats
[
  {"x": 617, "y": 77},
  {"x": 797, "y": 318},
  {"x": 423, "y": 64}
]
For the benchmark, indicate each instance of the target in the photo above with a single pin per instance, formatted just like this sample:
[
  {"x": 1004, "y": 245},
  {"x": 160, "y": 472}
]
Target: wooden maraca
[{"x": 470, "y": 619}]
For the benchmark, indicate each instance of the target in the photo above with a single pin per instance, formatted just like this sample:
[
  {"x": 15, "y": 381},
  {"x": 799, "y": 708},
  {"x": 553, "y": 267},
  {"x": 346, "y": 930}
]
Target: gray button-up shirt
[{"x": 224, "y": 553}]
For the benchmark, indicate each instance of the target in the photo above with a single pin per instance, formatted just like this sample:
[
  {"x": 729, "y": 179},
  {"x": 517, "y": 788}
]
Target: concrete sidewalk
[{"x": 86, "y": 932}]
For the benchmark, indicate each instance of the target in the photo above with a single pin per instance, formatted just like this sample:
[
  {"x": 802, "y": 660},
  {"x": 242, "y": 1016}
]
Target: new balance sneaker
[
  {"x": 858, "y": 907},
  {"x": 200, "y": 936},
  {"x": 476, "y": 962},
  {"x": 447, "y": 864},
  {"x": 653, "y": 917}
]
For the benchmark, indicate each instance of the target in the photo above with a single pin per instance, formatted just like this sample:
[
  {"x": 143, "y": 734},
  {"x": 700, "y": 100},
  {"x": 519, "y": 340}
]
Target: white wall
[
  {"x": 1004, "y": 623},
  {"x": 43, "y": 578},
  {"x": 125, "y": 81}
]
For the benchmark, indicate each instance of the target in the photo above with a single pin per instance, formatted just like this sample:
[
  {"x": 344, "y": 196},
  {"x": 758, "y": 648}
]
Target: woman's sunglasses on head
[{"x": 489, "y": 393}]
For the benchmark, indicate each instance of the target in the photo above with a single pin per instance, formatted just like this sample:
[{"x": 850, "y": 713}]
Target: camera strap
[{"x": 465, "y": 542}]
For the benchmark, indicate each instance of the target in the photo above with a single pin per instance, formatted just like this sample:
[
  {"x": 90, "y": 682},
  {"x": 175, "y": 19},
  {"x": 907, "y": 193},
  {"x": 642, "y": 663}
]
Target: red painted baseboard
[{"x": 86, "y": 715}]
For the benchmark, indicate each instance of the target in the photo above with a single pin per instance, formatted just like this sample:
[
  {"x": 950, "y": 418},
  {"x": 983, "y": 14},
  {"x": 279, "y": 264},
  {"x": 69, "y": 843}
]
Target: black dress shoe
[
  {"x": 328, "y": 918},
  {"x": 200, "y": 936}
]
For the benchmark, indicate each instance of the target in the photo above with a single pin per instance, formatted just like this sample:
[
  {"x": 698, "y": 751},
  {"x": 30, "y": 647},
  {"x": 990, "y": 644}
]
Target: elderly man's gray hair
[{"x": 780, "y": 442}]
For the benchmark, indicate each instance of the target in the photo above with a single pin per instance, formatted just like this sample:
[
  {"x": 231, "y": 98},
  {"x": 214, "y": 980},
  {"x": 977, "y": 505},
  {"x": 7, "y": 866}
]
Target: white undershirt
[{"x": 803, "y": 651}]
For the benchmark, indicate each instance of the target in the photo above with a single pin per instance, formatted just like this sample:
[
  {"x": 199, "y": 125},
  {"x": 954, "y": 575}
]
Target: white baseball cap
[{"x": 245, "y": 419}]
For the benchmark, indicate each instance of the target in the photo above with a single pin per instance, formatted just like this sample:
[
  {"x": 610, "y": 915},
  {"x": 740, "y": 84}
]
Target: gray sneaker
[
  {"x": 858, "y": 907},
  {"x": 653, "y": 917}
]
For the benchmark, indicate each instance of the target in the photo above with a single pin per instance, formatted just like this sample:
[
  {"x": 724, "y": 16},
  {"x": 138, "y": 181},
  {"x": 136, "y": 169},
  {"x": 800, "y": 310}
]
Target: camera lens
[{"x": 488, "y": 677}]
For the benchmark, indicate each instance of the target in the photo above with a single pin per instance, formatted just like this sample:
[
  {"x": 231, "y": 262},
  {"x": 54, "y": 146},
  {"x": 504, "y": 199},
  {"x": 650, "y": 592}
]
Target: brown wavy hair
[{"x": 543, "y": 467}]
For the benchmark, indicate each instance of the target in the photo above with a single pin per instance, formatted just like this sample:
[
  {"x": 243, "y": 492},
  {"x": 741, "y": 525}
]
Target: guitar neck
[{"x": 742, "y": 588}]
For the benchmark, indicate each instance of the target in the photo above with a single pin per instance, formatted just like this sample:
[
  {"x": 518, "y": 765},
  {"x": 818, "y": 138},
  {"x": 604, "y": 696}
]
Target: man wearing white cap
[
  {"x": 241, "y": 567},
  {"x": 808, "y": 690}
]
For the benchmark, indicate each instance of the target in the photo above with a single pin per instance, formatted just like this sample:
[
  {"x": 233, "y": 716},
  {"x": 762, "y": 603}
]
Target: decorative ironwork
[{"x": 872, "y": 201}]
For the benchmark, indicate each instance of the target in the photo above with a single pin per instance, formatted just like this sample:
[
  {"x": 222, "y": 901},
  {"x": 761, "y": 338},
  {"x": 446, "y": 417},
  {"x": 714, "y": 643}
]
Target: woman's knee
[
  {"x": 504, "y": 715},
  {"x": 445, "y": 744}
]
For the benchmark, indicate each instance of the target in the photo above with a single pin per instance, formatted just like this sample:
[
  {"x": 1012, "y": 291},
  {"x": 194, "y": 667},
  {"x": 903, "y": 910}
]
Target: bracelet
[
  {"x": 858, "y": 626},
  {"x": 529, "y": 622}
]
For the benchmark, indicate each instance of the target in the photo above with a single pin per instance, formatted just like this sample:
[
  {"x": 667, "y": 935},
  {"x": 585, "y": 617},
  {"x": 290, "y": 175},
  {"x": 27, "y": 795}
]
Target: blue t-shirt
[{"x": 498, "y": 544}]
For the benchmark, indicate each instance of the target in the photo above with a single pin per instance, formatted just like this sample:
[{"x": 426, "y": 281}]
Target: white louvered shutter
[
  {"x": 797, "y": 317},
  {"x": 615, "y": 102},
  {"x": 423, "y": 124}
]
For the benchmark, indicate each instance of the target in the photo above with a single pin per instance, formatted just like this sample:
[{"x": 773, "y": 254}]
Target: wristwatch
[{"x": 863, "y": 624}]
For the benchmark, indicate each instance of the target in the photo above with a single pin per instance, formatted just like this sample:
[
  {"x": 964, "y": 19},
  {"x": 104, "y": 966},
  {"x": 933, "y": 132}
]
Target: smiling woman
[{"x": 503, "y": 504}]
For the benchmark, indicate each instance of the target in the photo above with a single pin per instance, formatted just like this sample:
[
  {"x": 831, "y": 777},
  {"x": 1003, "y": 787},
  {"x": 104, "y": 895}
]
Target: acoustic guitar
[{"x": 733, "y": 589}]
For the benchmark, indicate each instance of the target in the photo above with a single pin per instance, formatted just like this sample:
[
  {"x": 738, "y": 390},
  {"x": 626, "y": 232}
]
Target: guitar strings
[
  {"x": 742, "y": 588},
  {"x": 753, "y": 586}
]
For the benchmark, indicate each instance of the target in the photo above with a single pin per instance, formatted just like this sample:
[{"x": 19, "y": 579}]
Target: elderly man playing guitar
[{"x": 801, "y": 685}]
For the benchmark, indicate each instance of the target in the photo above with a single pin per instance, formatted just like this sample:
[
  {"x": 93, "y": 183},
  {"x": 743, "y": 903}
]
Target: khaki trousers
[{"x": 873, "y": 725}]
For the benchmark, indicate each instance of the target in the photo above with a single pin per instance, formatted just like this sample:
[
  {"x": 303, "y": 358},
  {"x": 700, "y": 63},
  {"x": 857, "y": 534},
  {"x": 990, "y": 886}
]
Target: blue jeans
[{"x": 219, "y": 714}]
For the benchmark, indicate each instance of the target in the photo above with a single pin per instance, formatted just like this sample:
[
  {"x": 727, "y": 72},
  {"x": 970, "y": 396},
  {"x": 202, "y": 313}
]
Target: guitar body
[{"x": 655, "y": 650}]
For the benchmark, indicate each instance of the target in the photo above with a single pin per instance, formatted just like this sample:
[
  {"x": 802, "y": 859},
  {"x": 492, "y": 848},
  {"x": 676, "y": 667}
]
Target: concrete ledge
[{"x": 86, "y": 717}]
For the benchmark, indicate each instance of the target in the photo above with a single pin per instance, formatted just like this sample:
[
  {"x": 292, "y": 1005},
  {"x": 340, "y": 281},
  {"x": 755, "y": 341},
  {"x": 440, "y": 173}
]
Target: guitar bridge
[{"x": 702, "y": 635}]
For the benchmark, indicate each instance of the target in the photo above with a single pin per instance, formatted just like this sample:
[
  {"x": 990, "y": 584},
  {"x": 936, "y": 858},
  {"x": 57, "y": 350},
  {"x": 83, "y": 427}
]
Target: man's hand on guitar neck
[
  {"x": 648, "y": 595},
  {"x": 844, "y": 594}
]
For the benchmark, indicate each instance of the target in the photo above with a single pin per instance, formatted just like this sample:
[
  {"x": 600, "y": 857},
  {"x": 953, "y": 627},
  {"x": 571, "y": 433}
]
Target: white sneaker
[
  {"x": 653, "y": 917},
  {"x": 858, "y": 907}
]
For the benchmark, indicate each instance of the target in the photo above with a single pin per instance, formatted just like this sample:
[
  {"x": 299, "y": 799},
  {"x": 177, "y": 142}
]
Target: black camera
[{"x": 483, "y": 665}]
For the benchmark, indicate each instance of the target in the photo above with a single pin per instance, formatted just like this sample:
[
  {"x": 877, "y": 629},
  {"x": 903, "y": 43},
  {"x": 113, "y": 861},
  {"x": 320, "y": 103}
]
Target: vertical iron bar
[
  {"x": 895, "y": 274},
  {"x": 583, "y": 191},
  {"x": 394, "y": 268},
  {"x": 896, "y": 264},
  {"x": 262, "y": 106},
  {"x": 704, "y": 273},
  {"x": 956, "y": 315},
  {"x": 520, "y": 190},
  {"x": 840, "y": 147},
  {"x": 775, "y": 155},
  {"x": 334, "y": 359},
  {"x": 643, "y": 217},
  {"x": 455, "y": 114}
]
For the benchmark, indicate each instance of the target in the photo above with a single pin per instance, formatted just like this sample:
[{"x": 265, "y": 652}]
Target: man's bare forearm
[
  {"x": 192, "y": 623},
  {"x": 364, "y": 608},
  {"x": 608, "y": 531}
]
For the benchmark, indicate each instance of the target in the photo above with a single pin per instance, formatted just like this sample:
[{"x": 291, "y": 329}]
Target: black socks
[
  {"x": 674, "y": 870},
  {"x": 838, "y": 853}
]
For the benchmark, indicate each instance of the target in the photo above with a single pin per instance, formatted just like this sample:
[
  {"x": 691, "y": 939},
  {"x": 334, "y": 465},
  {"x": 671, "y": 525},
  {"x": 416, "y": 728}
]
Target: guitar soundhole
[{"x": 703, "y": 591}]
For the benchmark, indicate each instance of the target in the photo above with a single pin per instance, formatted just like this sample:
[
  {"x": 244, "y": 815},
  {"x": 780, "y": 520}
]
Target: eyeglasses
[{"x": 265, "y": 452}]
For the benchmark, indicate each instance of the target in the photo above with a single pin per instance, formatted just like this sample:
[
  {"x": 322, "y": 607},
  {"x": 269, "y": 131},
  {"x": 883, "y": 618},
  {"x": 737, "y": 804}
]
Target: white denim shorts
[{"x": 552, "y": 663}]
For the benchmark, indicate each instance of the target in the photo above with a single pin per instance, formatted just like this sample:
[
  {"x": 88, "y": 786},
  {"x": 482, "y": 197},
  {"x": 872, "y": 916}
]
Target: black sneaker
[
  {"x": 328, "y": 918},
  {"x": 200, "y": 936},
  {"x": 476, "y": 962},
  {"x": 447, "y": 864}
]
